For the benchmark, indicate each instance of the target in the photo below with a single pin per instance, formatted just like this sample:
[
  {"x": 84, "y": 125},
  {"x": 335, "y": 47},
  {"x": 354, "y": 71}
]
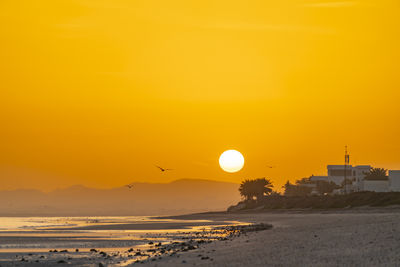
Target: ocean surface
[
  {"x": 88, "y": 241},
  {"x": 35, "y": 234}
]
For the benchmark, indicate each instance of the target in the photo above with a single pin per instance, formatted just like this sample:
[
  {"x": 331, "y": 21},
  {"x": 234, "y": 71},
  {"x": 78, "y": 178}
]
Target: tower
[{"x": 346, "y": 161}]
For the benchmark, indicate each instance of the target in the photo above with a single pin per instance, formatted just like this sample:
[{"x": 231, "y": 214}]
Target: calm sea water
[
  {"x": 36, "y": 223},
  {"x": 32, "y": 240},
  {"x": 44, "y": 233}
]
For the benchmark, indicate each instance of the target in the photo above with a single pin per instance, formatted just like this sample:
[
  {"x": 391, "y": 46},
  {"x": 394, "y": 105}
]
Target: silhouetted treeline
[
  {"x": 305, "y": 186},
  {"x": 357, "y": 199}
]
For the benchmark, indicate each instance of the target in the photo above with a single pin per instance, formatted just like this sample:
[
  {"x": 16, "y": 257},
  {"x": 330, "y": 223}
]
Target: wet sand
[
  {"x": 148, "y": 226},
  {"x": 107, "y": 241}
]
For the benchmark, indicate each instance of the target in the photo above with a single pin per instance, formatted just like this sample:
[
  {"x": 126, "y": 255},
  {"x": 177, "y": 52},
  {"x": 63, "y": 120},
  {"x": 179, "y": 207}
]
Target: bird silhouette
[
  {"x": 268, "y": 166},
  {"x": 130, "y": 186},
  {"x": 163, "y": 169}
]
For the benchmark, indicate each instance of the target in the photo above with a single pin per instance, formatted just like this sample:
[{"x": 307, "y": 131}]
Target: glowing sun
[{"x": 231, "y": 161}]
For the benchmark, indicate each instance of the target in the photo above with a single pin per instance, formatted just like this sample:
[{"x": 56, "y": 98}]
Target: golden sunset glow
[{"x": 98, "y": 92}]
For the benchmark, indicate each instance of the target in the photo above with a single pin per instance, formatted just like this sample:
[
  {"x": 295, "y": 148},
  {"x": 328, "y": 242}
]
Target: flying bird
[
  {"x": 130, "y": 186},
  {"x": 163, "y": 169},
  {"x": 268, "y": 166}
]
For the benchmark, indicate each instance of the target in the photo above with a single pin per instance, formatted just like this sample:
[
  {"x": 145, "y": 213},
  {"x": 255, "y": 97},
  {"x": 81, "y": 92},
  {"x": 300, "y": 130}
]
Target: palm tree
[
  {"x": 376, "y": 174},
  {"x": 257, "y": 188},
  {"x": 246, "y": 190}
]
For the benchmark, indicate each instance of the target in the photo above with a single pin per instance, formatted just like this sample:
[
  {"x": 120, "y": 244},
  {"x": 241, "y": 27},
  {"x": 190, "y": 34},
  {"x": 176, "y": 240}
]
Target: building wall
[
  {"x": 356, "y": 174},
  {"x": 336, "y": 173},
  {"x": 360, "y": 172},
  {"x": 336, "y": 179},
  {"x": 376, "y": 186},
  {"x": 394, "y": 181},
  {"x": 319, "y": 178}
]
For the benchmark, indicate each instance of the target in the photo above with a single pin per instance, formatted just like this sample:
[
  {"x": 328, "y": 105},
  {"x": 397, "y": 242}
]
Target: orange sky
[{"x": 97, "y": 92}]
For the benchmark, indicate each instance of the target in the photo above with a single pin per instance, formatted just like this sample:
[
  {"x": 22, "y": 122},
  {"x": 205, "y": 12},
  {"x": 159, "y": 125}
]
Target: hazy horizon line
[{"x": 116, "y": 187}]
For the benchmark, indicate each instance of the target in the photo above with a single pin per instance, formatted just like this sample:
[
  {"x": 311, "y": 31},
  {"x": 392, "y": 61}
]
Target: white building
[
  {"x": 356, "y": 174},
  {"x": 376, "y": 185},
  {"x": 394, "y": 181},
  {"x": 337, "y": 174}
]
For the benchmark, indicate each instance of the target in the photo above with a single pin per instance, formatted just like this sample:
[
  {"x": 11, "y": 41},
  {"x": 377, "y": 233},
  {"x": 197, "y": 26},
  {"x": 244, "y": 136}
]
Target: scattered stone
[{"x": 193, "y": 241}]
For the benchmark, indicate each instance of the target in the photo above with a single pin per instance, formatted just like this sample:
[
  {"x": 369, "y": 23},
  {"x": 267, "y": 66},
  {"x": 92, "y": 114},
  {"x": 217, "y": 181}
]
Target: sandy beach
[
  {"x": 357, "y": 237},
  {"x": 363, "y": 237}
]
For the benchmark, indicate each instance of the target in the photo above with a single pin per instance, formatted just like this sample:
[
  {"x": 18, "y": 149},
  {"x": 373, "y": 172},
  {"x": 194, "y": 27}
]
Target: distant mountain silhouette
[{"x": 177, "y": 197}]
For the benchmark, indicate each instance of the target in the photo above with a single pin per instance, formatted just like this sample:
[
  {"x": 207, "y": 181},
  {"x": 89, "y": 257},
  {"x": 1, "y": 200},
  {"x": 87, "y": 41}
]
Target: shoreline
[
  {"x": 356, "y": 236},
  {"x": 362, "y": 209},
  {"x": 151, "y": 241}
]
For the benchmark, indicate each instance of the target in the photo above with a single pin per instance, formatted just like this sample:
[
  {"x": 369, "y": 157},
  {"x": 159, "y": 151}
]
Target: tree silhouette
[
  {"x": 376, "y": 174},
  {"x": 325, "y": 187},
  {"x": 298, "y": 189},
  {"x": 257, "y": 188}
]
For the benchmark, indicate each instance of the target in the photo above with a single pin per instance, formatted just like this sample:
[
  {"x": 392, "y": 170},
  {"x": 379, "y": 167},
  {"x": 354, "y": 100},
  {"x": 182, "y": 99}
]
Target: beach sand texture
[{"x": 315, "y": 239}]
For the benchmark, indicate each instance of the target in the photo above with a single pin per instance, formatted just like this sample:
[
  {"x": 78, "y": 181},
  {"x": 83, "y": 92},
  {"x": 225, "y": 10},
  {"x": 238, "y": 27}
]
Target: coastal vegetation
[
  {"x": 356, "y": 199},
  {"x": 257, "y": 188},
  {"x": 376, "y": 174},
  {"x": 306, "y": 193},
  {"x": 304, "y": 187}
]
